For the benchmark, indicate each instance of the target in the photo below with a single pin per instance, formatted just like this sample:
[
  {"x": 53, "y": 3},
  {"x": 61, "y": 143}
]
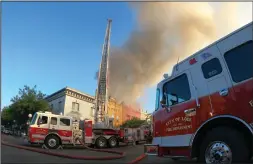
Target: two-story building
[
  {"x": 129, "y": 111},
  {"x": 114, "y": 110},
  {"x": 71, "y": 102}
]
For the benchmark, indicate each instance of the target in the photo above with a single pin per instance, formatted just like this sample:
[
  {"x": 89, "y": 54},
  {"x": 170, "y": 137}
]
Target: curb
[
  {"x": 138, "y": 159},
  {"x": 121, "y": 154}
]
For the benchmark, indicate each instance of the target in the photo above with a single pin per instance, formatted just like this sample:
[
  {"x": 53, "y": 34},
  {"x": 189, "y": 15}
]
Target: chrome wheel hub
[
  {"x": 52, "y": 142},
  {"x": 113, "y": 142},
  {"x": 101, "y": 143},
  {"x": 218, "y": 152}
]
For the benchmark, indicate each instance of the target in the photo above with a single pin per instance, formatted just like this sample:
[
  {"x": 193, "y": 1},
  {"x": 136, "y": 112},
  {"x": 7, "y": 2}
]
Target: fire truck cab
[
  {"x": 204, "y": 110},
  {"x": 55, "y": 130}
]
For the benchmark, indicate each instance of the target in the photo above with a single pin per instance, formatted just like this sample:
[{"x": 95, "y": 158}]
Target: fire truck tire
[
  {"x": 224, "y": 140},
  {"x": 113, "y": 142},
  {"x": 101, "y": 142},
  {"x": 52, "y": 142}
]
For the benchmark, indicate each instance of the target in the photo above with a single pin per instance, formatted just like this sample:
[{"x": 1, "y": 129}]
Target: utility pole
[{"x": 102, "y": 89}]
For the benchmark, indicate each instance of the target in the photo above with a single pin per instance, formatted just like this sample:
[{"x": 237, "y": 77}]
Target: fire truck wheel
[
  {"x": 113, "y": 142},
  {"x": 52, "y": 142},
  {"x": 224, "y": 145},
  {"x": 101, "y": 142}
]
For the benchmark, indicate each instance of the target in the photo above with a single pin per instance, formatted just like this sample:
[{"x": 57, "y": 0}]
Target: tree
[
  {"x": 6, "y": 115},
  {"x": 29, "y": 100},
  {"x": 133, "y": 123}
]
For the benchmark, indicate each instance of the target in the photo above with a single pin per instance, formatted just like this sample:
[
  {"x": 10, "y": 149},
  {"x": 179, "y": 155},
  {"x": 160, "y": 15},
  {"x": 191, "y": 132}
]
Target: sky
[{"x": 58, "y": 44}]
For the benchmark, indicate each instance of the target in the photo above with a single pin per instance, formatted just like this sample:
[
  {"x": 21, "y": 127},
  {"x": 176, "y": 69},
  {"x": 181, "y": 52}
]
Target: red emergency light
[{"x": 192, "y": 61}]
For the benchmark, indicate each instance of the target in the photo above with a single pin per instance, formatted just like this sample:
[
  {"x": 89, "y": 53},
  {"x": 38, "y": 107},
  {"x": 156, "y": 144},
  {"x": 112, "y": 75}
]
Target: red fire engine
[
  {"x": 56, "y": 130},
  {"x": 204, "y": 110}
]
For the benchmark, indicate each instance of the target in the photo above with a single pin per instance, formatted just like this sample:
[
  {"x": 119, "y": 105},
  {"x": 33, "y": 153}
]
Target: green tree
[
  {"x": 29, "y": 100},
  {"x": 133, "y": 123},
  {"x": 6, "y": 115}
]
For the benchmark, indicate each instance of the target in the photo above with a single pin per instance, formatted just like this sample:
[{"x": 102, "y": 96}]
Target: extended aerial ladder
[{"x": 102, "y": 89}]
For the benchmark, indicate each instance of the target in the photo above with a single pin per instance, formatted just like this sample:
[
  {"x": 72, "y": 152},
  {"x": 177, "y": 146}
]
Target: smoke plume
[{"x": 164, "y": 32}]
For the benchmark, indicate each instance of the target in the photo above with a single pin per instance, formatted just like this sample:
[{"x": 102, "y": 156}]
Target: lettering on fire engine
[
  {"x": 40, "y": 131},
  {"x": 251, "y": 103},
  {"x": 64, "y": 132},
  {"x": 178, "y": 124}
]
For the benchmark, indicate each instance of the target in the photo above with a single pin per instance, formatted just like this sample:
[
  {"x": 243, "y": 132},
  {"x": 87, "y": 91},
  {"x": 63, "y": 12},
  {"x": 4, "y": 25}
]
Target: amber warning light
[{"x": 151, "y": 149}]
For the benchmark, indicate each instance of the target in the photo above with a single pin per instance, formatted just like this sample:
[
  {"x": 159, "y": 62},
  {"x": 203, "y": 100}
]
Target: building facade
[
  {"x": 115, "y": 111},
  {"x": 71, "y": 102},
  {"x": 144, "y": 115},
  {"x": 128, "y": 112}
]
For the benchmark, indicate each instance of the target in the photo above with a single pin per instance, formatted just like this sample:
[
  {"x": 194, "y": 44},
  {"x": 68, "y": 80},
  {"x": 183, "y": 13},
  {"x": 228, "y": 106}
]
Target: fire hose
[{"x": 120, "y": 154}]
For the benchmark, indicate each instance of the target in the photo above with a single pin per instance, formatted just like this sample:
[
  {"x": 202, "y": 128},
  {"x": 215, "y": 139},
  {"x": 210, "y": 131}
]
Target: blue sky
[{"x": 58, "y": 44}]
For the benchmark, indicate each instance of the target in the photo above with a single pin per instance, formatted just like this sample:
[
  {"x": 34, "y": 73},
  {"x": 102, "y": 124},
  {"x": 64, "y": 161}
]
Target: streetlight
[{"x": 29, "y": 118}]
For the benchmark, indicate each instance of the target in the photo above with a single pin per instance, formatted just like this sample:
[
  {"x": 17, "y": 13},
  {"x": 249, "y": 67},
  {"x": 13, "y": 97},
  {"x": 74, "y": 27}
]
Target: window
[
  {"x": 177, "y": 90},
  {"x": 43, "y": 120},
  {"x": 91, "y": 111},
  {"x": 240, "y": 62},
  {"x": 34, "y": 119},
  {"x": 75, "y": 106},
  {"x": 211, "y": 68},
  {"x": 64, "y": 122},
  {"x": 157, "y": 99},
  {"x": 53, "y": 121}
]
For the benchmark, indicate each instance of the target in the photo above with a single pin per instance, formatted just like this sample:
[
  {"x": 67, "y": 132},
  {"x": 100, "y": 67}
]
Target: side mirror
[{"x": 163, "y": 103}]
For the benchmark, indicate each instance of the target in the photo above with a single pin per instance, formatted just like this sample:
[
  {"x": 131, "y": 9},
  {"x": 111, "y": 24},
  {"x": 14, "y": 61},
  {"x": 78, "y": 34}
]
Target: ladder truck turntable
[{"x": 204, "y": 110}]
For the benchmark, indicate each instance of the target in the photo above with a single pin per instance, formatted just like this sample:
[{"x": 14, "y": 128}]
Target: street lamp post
[{"x": 28, "y": 122}]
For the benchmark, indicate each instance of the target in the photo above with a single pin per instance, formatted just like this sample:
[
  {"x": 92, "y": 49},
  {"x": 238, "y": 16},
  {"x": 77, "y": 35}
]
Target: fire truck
[
  {"x": 53, "y": 131},
  {"x": 204, "y": 110}
]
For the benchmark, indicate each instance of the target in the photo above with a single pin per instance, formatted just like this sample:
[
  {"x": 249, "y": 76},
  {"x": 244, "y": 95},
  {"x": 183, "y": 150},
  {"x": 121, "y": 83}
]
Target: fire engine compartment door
[
  {"x": 53, "y": 123},
  {"x": 177, "y": 124},
  {"x": 218, "y": 84}
]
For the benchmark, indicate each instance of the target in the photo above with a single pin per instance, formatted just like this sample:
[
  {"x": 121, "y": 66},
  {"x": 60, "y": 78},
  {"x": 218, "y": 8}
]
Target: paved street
[
  {"x": 14, "y": 155},
  {"x": 158, "y": 160}
]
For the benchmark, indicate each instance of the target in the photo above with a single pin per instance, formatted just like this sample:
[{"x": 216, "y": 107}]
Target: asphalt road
[
  {"x": 158, "y": 160},
  {"x": 15, "y": 155}
]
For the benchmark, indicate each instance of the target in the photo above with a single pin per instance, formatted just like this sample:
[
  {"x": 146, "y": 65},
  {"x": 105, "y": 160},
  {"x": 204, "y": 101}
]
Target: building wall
[
  {"x": 85, "y": 108},
  {"x": 115, "y": 110},
  {"x": 143, "y": 115},
  {"x": 61, "y": 102},
  {"x": 57, "y": 105},
  {"x": 129, "y": 112}
]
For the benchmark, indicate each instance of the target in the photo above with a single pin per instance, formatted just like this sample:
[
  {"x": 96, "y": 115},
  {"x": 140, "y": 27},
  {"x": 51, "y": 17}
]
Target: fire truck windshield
[{"x": 34, "y": 119}]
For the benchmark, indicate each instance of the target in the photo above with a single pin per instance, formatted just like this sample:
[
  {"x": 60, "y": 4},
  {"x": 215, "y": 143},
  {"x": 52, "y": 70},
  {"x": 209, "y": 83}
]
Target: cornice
[{"x": 72, "y": 93}]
